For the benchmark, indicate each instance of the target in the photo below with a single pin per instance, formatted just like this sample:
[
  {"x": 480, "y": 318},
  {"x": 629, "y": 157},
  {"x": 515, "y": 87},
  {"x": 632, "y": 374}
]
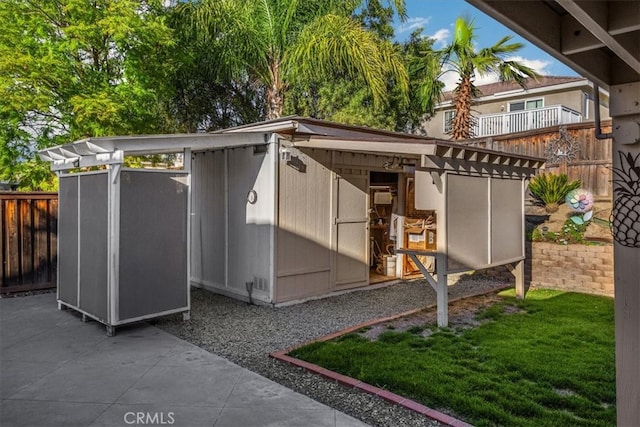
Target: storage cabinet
[{"x": 124, "y": 236}]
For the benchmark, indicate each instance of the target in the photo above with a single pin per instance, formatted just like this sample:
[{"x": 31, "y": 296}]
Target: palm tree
[
  {"x": 462, "y": 57},
  {"x": 274, "y": 42}
]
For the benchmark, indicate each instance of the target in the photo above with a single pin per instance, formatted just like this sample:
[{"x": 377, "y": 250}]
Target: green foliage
[
  {"x": 571, "y": 233},
  {"x": 348, "y": 100},
  {"x": 547, "y": 360},
  {"x": 275, "y": 44},
  {"x": 550, "y": 188},
  {"x": 73, "y": 68}
]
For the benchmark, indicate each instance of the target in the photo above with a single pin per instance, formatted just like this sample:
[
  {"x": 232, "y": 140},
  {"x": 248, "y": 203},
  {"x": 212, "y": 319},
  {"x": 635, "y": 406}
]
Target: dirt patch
[{"x": 462, "y": 315}]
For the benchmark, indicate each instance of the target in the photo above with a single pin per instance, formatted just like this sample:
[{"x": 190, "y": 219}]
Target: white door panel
[{"x": 351, "y": 231}]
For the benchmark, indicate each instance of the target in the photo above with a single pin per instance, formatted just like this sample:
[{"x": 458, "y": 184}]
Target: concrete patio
[{"x": 56, "y": 370}]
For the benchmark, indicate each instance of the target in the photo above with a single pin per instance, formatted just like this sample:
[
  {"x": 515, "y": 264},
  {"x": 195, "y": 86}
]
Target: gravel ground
[{"x": 245, "y": 334}]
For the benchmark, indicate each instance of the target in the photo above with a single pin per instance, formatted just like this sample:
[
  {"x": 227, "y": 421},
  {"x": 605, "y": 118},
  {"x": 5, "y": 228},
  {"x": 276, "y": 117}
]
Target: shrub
[{"x": 550, "y": 189}]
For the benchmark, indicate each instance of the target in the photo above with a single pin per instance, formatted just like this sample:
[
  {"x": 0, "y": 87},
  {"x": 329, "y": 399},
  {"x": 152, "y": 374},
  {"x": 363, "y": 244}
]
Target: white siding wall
[
  {"x": 306, "y": 234},
  {"x": 250, "y": 224},
  {"x": 232, "y": 239},
  {"x": 304, "y": 228},
  {"x": 208, "y": 219}
]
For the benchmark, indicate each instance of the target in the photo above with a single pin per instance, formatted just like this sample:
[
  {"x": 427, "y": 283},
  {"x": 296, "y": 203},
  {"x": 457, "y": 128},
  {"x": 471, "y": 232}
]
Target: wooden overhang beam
[
  {"x": 594, "y": 17},
  {"x": 477, "y": 161},
  {"x": 598, "y": 39},
  {"x": 464, "y": 167}
]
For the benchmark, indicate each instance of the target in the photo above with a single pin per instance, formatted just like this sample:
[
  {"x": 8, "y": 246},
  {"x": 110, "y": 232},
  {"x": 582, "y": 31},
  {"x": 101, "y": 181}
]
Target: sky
[{"x": 437, "y": 18}]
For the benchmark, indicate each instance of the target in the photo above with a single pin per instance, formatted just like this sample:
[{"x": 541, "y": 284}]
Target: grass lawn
[{"x": 545, "y": 361}]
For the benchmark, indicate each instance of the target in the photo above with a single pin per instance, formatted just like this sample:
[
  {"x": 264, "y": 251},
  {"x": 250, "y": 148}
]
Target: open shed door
[{"x": 351, "y": 230}]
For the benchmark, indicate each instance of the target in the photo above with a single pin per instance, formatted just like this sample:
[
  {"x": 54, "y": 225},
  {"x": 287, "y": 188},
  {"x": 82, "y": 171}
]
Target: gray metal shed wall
[
  {"x": 94, "y": 216},
  {"x": 506, "y": 220},
  {"x": 467, "y": 221},
  {"x": 153, "y": 243},
  {"x": 68, "y": 240}
]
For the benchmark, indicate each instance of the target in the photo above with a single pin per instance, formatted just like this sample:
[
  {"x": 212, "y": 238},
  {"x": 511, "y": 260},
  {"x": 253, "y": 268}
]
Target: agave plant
[
  {"x": 625, "y": 216},
  {"x": 550, "y": 189}
]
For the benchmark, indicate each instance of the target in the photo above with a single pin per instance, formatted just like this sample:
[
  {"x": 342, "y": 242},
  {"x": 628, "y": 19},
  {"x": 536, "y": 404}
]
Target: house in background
[{"x": 505, "y": 108}]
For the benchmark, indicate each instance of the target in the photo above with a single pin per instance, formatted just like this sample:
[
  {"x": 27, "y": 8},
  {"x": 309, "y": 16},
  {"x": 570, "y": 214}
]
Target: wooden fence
[
  {"x": 592, "y": 165},
  {"x": 28, "y": 235}
]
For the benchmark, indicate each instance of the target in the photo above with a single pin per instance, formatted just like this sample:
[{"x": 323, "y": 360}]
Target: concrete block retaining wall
[{"x": 576, "y": 268}]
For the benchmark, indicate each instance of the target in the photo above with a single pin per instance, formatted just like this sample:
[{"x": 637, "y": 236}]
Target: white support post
[
  {"x": 625, "y": 114},
  {"x": 113, "y": 247},
  {"x": 186, "y": 166},
  {"x": 442, "y": 291},
  {"x": 517, "y": 269}
]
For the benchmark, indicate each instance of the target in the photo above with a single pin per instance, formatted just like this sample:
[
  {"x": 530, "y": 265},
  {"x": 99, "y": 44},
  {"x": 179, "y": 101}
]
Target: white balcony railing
[{"x": 520, "y": 121}]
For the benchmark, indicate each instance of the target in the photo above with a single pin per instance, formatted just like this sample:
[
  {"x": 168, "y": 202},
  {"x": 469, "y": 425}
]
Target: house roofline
[{"x": 517, "y": 93}]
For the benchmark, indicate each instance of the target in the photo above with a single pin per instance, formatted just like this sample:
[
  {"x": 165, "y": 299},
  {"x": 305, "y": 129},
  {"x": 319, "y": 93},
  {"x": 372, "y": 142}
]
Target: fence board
[
  {"x": 592, "y": 165},
  {"x": 29, "y": 241},
  {"x": 25, "y": 253}
]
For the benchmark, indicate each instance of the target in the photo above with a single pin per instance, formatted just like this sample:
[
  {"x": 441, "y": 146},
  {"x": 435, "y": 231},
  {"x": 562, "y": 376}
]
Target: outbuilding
[{"x": 278, "y": 212}]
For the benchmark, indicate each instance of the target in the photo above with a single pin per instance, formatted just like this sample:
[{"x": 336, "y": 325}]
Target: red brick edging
[
  {"x": 368, "y": 388},
  {"x": 384, "y": 394}
]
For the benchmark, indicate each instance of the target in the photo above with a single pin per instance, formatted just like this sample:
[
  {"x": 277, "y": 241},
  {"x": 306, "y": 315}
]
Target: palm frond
[
  {"x": 335, "y": 42},
  {"x": 234, "y": 32}
]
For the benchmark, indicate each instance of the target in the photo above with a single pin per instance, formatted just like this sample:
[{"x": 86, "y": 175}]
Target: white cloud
[
  {"x": 540, "y": 66},
  {"x": 441, "y": 37},
  {"x": 412, "y": 23},
  {"x": 451, "y": 78}
]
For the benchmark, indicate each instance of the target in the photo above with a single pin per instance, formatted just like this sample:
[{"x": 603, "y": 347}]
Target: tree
[
  {"x": 274, "y": 43},
  {"x": 461, "y": 56},
  {"x": 347, "y": 99},
  {"x": 201, "y": 99},
  {"x": 77, "y": 68}
]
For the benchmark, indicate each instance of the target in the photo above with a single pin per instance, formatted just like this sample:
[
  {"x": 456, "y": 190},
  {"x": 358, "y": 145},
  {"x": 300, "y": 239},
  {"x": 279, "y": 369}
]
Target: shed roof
[{"x": 302, "y": 132}]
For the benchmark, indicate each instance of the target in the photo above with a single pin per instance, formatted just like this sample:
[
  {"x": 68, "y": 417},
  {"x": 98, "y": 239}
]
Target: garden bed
[{"x": 548, "y": 360}]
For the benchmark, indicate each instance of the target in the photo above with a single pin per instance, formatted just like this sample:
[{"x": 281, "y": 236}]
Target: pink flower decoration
[{"x": 580, "y": 200}]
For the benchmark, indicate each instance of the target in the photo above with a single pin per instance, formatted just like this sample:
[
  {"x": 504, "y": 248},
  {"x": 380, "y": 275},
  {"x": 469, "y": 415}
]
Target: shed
[{"x": 296, "y": 208}]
